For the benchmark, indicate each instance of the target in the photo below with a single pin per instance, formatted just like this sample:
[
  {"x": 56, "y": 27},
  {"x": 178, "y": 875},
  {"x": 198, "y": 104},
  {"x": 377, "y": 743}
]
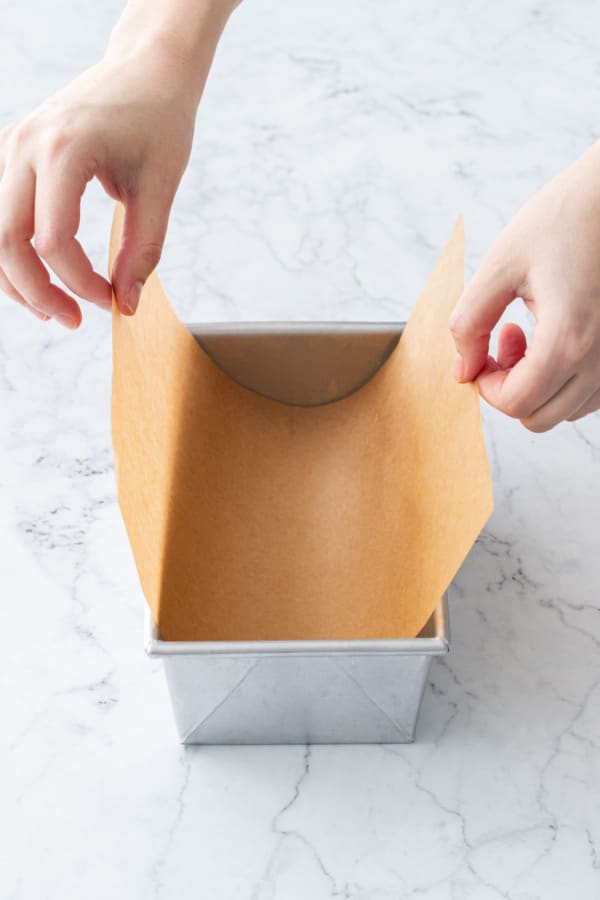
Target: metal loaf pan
[
  {"x": 296, "y": 692},
  {"x": 290, "y": 692}
]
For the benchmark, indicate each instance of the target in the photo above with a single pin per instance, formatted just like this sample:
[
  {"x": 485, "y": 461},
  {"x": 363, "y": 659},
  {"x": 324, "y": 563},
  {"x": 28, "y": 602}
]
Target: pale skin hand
[
  {"x": 549, "y": 256},
  {"x": 128, "y": 121}
]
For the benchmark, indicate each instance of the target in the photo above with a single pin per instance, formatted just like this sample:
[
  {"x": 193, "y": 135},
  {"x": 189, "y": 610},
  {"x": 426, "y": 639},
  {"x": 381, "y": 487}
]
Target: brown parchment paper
[{"x": 253, "y": 520}]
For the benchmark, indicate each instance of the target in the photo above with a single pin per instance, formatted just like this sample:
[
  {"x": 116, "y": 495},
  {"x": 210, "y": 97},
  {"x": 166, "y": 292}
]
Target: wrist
[{"x": 176, "y": 36}]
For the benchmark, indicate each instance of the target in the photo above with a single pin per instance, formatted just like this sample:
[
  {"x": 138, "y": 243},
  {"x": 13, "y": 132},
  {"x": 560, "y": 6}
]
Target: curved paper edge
[{"x": 427, "y": 432}]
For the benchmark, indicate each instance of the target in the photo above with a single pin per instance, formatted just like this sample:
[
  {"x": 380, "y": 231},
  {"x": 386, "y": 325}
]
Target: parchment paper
[{"x": 253, "y": 520}]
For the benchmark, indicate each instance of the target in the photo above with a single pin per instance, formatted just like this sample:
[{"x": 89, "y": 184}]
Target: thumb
[
  {"x": 485, "y": 298},
  {"x": 144, "y": 230}
]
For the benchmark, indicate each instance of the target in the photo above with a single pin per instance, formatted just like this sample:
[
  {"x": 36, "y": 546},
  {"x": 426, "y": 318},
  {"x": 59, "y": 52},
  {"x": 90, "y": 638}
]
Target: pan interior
[{"x": 302, "y": 363}]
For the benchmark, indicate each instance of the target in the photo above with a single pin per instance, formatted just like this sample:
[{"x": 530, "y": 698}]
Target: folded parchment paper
[{"x": 253, "y": 520}]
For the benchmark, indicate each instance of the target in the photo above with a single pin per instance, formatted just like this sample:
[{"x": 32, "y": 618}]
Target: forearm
[{"x": 183, "y": 33}]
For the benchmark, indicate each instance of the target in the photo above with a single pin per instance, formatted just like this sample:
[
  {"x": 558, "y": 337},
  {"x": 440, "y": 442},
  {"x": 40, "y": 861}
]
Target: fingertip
[
  {"x": 70, "y": 318},
  {"x": 490, "y": 382},
  {"x": 119, "y": 293},
  {"x": 473, "y": 366},
  {"x": 129, "y": 301},
  {"x": 490, "y": 368},
  {"x": 103, "y": 295},
  {"x": 123, "y": 306},
  {"x": 68, "y": 321},
  {"x": 104, "y": 303},
  {"x": 512, "y": 345}
]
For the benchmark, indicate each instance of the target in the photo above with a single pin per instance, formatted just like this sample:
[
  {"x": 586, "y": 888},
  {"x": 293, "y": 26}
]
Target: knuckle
[
  {"x": 578, "y": 342},
  {"x": 19, "y": 136},
  {"x": 49, "y": 243},
  {"x": 517, "y": 408},
  {"x": 150, "y": 253},
  {"x": 57, "y": 143}
]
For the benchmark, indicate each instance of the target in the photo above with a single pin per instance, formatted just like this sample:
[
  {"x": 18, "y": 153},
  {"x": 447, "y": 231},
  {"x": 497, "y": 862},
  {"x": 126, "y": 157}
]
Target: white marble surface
[{"x": 336, "y": 144}]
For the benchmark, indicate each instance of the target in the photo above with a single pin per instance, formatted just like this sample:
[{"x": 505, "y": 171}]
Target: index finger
[
  {"x": 485, "y": 298},
  {"x": 57, "y": 216}
]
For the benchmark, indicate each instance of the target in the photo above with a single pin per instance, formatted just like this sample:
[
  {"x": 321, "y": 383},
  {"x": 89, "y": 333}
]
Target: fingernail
[
  {"x": 459, "y": 368},
  {"x": 131, "y": 304},
  {"x": 67, "y": 321}
]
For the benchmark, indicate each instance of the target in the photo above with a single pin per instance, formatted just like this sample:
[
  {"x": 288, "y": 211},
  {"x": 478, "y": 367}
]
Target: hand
[
  {"x": 129, "y": 125},
  {"x": 549, "y": 256},
  {"x": 127, "y": 121}
]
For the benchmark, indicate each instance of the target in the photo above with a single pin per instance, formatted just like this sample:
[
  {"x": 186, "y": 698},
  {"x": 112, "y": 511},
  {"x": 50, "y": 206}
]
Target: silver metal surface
[
  {"x": 324, "y": 691},
  {"x": 300, "y": 363},
  {"x": 295, "y": 692}
]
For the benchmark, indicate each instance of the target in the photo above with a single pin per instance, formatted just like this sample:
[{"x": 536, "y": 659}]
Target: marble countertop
[{"x": 336, "y": 144}]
